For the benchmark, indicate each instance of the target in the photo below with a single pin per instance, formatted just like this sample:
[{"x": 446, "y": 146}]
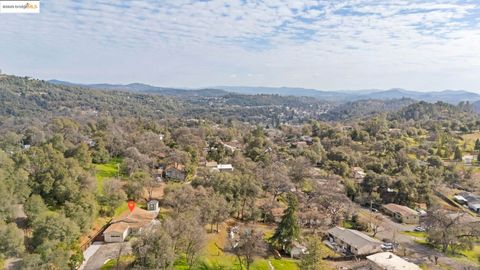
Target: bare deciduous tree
[{"x": 246, "y": 245}]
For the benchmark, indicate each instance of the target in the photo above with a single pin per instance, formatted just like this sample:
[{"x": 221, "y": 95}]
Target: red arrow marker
[{"x": 131, "y": 205}]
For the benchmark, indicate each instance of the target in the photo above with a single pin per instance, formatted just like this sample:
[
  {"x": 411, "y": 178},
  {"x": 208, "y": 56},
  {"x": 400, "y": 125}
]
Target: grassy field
[
  {"x": 125, "y": 261},
  {"x": 106, "y": 171},
  {"x": 415, "y": 234},
  {"x": 213, "y": 257},
  {"x": 473, "y": 255}
]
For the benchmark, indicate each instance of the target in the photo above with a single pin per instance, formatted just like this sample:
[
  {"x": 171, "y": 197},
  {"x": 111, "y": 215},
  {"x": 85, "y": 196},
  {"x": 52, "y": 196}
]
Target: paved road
[
  {"x": 416, "y": 253},
  {"x": 105, "y": 252}
]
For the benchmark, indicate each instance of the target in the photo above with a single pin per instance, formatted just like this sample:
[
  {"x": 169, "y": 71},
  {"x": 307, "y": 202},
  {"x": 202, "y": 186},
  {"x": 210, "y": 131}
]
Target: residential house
[
  {"x": 468, "y": 159},
  {"x": 401, "y": 213},
  {"x": 358, "y": 173},
  {"x": 129, "y": 223},
  {"x": 389, "y": 261},
  {"x": 211, "y": 164},
  {"x": 231, "y": 148},
  {"x": 353, "y": 242},
  {"x": 307, "y": 139},
  {"x": 175, "y": 171},
  {"x": 463, "y": 218},
  {"x": 225, "y": 167},
  {"x": 116, "y": 233}
]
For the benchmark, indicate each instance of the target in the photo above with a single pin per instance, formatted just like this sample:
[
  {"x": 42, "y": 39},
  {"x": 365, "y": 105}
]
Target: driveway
[{"x": 105, "y": 252}]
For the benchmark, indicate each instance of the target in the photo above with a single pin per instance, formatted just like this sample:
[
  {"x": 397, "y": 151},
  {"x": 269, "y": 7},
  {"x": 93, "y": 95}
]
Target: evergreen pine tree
[
  {"x": 447, "y": 153},
  {"x": 458, "y": 154},
  {"x": 477, "y": 144},
  {"x": 288, "y": 229}
]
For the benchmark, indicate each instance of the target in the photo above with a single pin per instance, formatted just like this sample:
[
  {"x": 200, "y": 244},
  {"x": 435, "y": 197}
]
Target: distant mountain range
[
  {"x": 148, "y": 89},
  {"x": 450, "y": 96}
]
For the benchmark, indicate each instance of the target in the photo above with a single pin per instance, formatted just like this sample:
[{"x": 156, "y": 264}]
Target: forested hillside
[{"x": 20, "y": 96}]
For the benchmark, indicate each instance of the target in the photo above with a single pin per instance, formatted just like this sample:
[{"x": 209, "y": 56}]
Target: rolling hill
[{"x": 449, "y": 96}]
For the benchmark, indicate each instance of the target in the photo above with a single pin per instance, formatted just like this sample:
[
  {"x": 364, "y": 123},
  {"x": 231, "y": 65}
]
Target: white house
[
  {"x": 116, "y": 232},
  {"x": 225, "y": 167},
  {"x": 468, "y": 159},
  {"x": 129, "y": 223}
]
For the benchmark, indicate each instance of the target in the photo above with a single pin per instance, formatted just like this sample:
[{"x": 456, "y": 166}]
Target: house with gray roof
[{"x": 353, "y": 242}]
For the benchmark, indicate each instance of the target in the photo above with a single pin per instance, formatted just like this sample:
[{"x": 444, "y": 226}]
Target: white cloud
[{"x": 346, "y": 44}]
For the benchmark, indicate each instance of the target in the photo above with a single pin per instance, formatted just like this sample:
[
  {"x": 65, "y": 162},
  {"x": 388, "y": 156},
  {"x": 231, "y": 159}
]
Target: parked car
[
  {"x": 419, "y": 229},
  {"x": 387, "y": 246}
]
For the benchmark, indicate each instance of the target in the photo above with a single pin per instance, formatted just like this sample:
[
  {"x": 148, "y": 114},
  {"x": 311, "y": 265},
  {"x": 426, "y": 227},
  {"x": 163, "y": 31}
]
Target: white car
[
  {"x": 387, "y": 246},
  {"x": 419, "y": 229}
]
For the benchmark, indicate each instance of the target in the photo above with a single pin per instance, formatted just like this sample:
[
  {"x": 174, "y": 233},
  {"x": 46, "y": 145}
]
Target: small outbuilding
[{"x": 152, "y": 205}]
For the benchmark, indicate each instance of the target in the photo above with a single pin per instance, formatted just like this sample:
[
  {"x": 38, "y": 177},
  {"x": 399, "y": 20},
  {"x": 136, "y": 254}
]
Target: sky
[{"x": 326, "y": 45}]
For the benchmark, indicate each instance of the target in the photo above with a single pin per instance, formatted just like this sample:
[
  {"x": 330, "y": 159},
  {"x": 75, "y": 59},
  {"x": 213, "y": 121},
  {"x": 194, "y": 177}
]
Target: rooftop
[
  {"x": 211, "y": 164},
  {"x": 117, "y": 227},
  {"x": 390, "y": 261},
  {"x": 136, "y": 219},
  {"x": 353, "y": 237},
  {"x": 400, "y": 209},
  {"x": 177, "y": 166}
]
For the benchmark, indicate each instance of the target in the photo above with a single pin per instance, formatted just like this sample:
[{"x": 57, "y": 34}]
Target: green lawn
[
  {"x": 347, "y": 224},
  {"x": 415, "y": 234},
  {"x": 462, "y": 255},
  {"x": 474, "y": 254},
  {"x": 470, "y": 255},
  {"x": 124, "y": 262},
  {"x": 231, "y": 262},
  {"x": 106, "y": 171},
  {"x": 214, "y": 258}
]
